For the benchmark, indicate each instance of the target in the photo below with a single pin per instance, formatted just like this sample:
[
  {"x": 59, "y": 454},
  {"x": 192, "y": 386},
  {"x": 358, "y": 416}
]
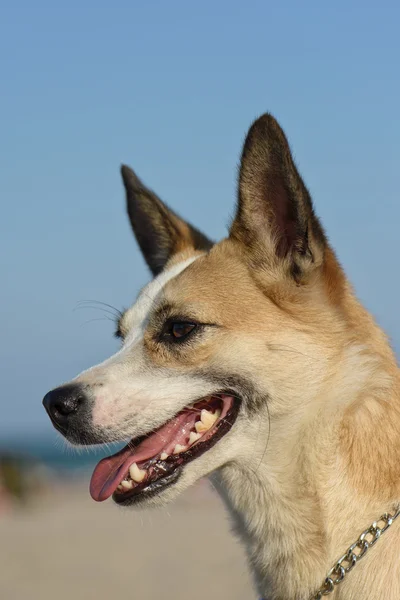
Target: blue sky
[{"x": 170, "y": 88}]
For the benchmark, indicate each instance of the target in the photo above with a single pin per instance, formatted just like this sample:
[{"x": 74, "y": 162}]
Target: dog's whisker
[
  {"x": 96, "y": 319},
  {"x": 110, "y": 306},
  {"x": 100, "y": 308}
]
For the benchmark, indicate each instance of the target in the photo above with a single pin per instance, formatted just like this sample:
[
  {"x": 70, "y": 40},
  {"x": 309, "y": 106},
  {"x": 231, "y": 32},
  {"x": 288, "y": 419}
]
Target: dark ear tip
[
  {"x": 126, "y": 171},
  {"x": 266, "y": 118},
  {"x": 266, "y": 124},
  {"x": 130, "y": 178},
  {"x": 265, "y": 133}
]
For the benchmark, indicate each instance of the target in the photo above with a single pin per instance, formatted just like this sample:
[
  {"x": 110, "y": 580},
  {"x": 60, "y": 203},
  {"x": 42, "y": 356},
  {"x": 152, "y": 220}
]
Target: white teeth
[
  {"x": 178, "y": 448},
  {"x": 137, "y": 474},
  {"x": 164, "y": 456},
  {"x": 127, "y": 485},
  {"x": 193, "y": 437},
  {"x": 207, "y": 418},
  {"x": 120, "y": 488},
  {"x": 200, "y": 427}
]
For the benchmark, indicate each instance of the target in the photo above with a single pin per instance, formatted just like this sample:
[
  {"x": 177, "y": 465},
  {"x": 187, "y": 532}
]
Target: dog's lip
[
  {"x": 146, "y": 450},
  {"x": 149, "y": 490},
  {"x": 111, "y": 470}
]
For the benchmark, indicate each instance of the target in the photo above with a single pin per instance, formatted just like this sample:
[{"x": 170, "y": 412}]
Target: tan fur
[
  {"x": 314, "y": 457},
  {"x": 338, "y": 388}
]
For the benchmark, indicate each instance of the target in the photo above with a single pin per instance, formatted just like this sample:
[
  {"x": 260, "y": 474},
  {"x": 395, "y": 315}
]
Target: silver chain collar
[{"x": 354, "y": 553}]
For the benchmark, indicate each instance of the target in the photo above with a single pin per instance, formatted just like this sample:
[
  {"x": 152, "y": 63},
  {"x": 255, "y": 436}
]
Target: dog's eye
[{"x": 179, "y": 330}]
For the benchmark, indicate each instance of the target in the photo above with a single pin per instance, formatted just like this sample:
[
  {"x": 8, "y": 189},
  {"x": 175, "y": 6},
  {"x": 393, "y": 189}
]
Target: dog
[{"x": 252, "y": 361}]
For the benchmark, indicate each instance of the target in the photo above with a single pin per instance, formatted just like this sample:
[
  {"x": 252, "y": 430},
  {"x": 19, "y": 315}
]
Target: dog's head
[{"x": 227, "y": 342}]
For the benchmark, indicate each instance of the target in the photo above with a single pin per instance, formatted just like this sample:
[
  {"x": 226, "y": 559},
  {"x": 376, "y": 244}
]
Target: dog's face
[{"x": 216, "y": 352}]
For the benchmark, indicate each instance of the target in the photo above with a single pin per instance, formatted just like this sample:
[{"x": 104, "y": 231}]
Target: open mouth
[{"x": 152, "y": 462}]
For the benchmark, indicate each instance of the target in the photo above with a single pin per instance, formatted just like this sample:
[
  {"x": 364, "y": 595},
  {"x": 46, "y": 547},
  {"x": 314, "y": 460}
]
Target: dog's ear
[
  {"x": 275, "y": 221},
  {"x": 159, "y": 231}
]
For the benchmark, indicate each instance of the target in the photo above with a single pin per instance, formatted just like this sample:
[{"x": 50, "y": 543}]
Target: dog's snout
[{"x": 63, "y": 403}]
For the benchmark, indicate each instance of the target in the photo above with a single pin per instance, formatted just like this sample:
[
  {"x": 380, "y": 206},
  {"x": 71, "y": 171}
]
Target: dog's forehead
[{"x": 136, "y": 316}]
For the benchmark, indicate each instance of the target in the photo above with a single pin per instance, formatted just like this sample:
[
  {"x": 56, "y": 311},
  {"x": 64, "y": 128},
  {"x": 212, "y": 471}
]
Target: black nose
[{"x": 64, "y": 403}]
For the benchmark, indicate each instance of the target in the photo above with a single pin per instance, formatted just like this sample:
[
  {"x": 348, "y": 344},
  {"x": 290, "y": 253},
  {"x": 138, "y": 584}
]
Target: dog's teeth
[
  {"x": 193, "y": 437},
  {"x": 164, "y": 456},
  {"x": 137, "y": 474},
  {"x": 208, "y": 418},
  {"x": 126, "y": 485},
  {"x": 120, "y": 488},
  {"x": 179, "y": 448},
  {"x": 200, "y": 427}
]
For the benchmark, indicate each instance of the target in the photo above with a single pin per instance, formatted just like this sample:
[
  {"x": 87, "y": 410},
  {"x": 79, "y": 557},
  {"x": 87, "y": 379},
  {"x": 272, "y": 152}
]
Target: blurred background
[{"x": 169, "y": 88}]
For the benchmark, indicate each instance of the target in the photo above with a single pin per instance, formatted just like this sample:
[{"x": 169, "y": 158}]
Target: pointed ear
[
  {"x": 159, "y": 231},
  {"x": 275, "y": 220}
]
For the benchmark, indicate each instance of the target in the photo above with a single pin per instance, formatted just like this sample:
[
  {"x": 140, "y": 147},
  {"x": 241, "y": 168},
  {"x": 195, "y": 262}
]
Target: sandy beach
[{"x": 68, "y": 547}]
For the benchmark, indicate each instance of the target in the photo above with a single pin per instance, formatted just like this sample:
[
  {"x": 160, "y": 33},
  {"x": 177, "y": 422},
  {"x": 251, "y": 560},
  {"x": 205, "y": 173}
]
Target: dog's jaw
[{"x": 149, "y": 464}]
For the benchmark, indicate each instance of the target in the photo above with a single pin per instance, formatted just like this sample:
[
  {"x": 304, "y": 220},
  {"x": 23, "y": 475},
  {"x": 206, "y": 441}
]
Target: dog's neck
[{"x": 301, "y": 501}]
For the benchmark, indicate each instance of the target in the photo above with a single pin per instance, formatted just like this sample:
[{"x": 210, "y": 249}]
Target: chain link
[{"x": 354, "y": 553}]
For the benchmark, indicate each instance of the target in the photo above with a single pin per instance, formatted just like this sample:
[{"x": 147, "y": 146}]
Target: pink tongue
[{"x": 112, "y": 470}]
